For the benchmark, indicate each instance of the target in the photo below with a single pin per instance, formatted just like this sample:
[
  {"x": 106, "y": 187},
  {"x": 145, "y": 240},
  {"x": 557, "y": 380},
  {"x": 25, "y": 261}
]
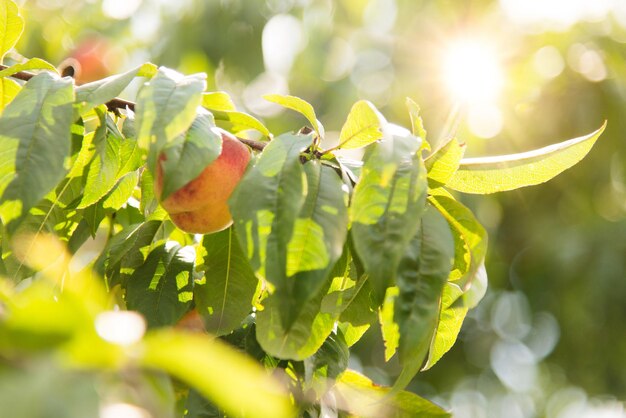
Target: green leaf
[
  {"x": 358, "y": 315},
  {"x": 122, "y": 191},
  {"x": 388, "y": 327},
  {"x": 327, "y": 363},
  {"x": 360, "y": 397},
  {"x": 218, "y": 100},
  {"x": 451, "y": 318},
  {"x": 162, "y": 288},
  {"x": 8, "y": 90},
  {"x": 309, "y": 329},
  {"x": 166, "y": 107},
  {"x": 224, "y": 111},
  {"x": 386, "y": 206},
  {"x": 362, "y": 127},
  {"x": 508, "y": 172},
  {"x": 188, "y": 155},
  {"x": 266, "y": 203},
  {"x": 470, "y": 238},
  {"x": 301, "y": 106},
  {"x": 421, "y": 278},
  {"x": 224, "y": 295},
  {"x": 11, "y": 26},
  {"x": 127, "y": 250},
  {"x": 34, "y": 143},
  {"x": 218, "y": 372},
  {"x": 444, "y": 162},
  {"x": 417, "y": 125},
  {"x": 317, "y": 242},
  {"x": 115, "y": 157},
  {"x": 101, "y": 91},
  {"x": 31, "y": 64}
]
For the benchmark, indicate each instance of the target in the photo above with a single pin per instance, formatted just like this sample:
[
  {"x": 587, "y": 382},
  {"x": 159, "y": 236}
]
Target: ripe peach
[{"x": 201, "y": 206}]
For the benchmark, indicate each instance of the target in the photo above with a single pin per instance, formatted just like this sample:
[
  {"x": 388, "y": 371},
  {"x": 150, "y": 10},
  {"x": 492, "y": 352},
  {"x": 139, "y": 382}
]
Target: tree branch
[{"x": 118, "y": 103}]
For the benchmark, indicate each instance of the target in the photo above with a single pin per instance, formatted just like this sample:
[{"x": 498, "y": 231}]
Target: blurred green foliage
[{"x": 557, "y": 250}]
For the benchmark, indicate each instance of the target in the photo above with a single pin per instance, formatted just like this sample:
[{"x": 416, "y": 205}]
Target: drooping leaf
[
  {"x": 31, "y": 64},
  {"x": 188, "y": 155},
  {"x": 309, "y": 329},
  {"x": 421, "y": 278},
  {"x": 386, "y": 206},
  {"x": 34, "y": 143},
  {"x": 449, "y": 324},
  {"x": 266, "y": 203},
  {"x": 363, "y": 126},
  {"x": 162, "y": 288},
  {"x": 101, "y": 91},
  {"x": 359, "y": 396},
  {"x": 470, "y": 238},
  {"x": 508, "y": 172},
  {"x": 443, "y": 163},
  {"x": 218, "y": 372},
  {"x": 317, "y": 241},
  {"x": 166, "y": 107},
  {"x": 8, "y": 90},
  {"x": 224, "y": 295},
  {"x": 301, "y": 106},
  {"x": 11, "y": 26}
]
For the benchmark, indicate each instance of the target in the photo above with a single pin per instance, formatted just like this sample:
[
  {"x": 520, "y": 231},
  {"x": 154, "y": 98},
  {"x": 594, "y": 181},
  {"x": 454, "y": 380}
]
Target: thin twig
[{"x": 117, "y": 103}]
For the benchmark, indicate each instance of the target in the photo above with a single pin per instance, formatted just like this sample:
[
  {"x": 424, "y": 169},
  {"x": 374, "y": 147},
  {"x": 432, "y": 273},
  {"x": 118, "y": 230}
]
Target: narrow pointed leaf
[
  {"x": 421, "y": 278},
  {"x": 417, "y": 125},
  {"x": 189, "y": 154},
  {"x": 224, "y": 295},
  {"x": 161, "y": 289},
  {"x": 300, "y": 106},
  {"x": 449, "y": 324},
  {"x": 388, "y": 327},
  {"x": 386, "y": 206},
  {"x": 218, "y": 372},
  {"x": 444, "y": 162},
  {"x": 11, "y": 26},
  {"x": 166, "y": 107},
  {"x": 101, "y": 91},
  {"x": 359, "y": 396},
  {"x": 470, "y": 238},
  {"x": 34, "y": 143},
  {"x": 235, "y": 121},
  {"x": 31, "y": 64},
  {"x": 363, "y": 126},
  {"x": 508, "y": 172},
  {"x": 266, "y": 203}
]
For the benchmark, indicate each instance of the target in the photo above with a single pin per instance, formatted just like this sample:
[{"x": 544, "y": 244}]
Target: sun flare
[{"x": 472, "y": 72}]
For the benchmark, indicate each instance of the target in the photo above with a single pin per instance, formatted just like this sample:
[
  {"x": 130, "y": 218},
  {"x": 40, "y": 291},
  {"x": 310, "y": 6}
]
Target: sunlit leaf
[
  {"x": 184, "y": 158},
  {"x": 451, "y": 318},
  {"x": 422, "y": 275},
  {"x": 388, "y": 326},
  {"x": 386, "y": 206},
  {"x": 34, "y": 143},
  {"x": 300, "y": 106},
  {"x": 362, "y": 127},
  {"x": 8, "y": 90},
  {"x": 470, "y": 238},
  {"x": 162, "y": 288},
  {"x": 266, "y": 203},
  {"x": 31, "y": 64},
  {"x": 359, "y": 396},
  {"x": 166, "y": 107},
  {"x": 218, "y": 372},
  {"x": 224, "y": 295},
  {"x": 101, "y": 91},
  {"x": 508, "y": 172},
  {"x": 417, "y": 125},
  {"x": 235, "y": 121},
  {"x": 218, "y": 100},
  {"x": 443, "y": 163},
  {"x": 11, "y": 26}
]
